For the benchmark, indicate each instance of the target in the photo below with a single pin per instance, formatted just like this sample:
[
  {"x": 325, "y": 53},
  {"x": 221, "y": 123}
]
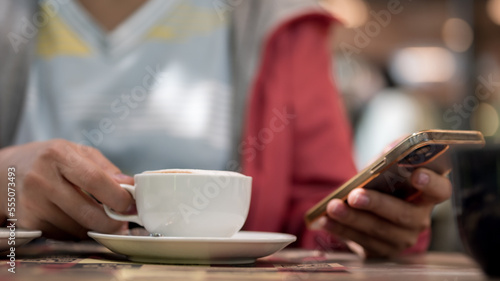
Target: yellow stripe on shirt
[{"x": 56, "y": 38}]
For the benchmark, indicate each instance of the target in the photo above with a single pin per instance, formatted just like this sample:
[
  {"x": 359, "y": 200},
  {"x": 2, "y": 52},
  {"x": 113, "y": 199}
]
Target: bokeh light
[
  {"x": 457, "y": 35},
  {"x": 493, "y": 10},
  {"x": 352, "y": 13},
  {"x": 417, "y": 65},
  {"x": 485, "y": 119}
]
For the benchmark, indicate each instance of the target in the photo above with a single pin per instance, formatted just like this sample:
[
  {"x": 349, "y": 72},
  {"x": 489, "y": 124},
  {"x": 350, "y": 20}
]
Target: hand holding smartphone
[{"x": 390, "y": 173}]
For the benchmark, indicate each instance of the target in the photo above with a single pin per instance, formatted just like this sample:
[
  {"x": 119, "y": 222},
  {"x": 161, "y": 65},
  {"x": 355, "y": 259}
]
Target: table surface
[{"x": 54, "y": 260}]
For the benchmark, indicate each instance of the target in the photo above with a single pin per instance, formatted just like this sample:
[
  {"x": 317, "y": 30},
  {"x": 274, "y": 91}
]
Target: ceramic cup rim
[{"x": 190, "y": 173}]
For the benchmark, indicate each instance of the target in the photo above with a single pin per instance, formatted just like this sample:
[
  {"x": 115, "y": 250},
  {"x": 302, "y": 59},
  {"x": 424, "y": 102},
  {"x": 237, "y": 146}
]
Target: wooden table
[{"x": 50, "y": 260}]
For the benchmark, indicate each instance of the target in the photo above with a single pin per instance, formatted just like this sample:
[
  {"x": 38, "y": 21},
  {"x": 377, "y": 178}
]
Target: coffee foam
[
  {"x": 194, "y": 172},
  {"x": 168, "y": 172}
]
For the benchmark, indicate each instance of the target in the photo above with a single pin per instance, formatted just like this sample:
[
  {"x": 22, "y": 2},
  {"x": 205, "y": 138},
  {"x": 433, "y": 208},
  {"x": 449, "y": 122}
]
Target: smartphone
[{"x": 390, "y": 173}]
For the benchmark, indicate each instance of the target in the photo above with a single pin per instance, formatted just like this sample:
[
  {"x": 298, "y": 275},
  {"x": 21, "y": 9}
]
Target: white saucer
[
  {"x": 243, "y": 247},
  {"x": 21, "y": 237}
]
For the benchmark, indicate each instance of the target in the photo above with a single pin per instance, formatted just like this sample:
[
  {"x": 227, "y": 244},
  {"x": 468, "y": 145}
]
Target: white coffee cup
[{"x": 189, "y": 203}]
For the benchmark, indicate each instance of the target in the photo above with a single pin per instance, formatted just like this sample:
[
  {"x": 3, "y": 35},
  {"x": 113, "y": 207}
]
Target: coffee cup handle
[{"x": 132, "y": 218}]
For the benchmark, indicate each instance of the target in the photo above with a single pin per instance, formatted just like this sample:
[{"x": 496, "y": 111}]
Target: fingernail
[
  {"x": 132, "y": 209},
  {"x": 422, "y": 179},
  {"x": 318, "y": 224},
  {"x": 338, "y": 210},
  {"x": 122, "y": 177},
  {"x": 361, "y": 200}
]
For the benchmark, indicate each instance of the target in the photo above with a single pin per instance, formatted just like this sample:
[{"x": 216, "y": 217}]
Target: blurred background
[{"x": 404, "y": 66}]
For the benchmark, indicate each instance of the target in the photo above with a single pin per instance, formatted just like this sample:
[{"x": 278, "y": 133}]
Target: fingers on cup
[
  {"x": 101, "y": 185},
  {"x": 82, "y": 208}
]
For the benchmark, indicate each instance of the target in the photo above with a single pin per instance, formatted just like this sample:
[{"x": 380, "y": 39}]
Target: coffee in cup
[{"x": 189, "y": 203}]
